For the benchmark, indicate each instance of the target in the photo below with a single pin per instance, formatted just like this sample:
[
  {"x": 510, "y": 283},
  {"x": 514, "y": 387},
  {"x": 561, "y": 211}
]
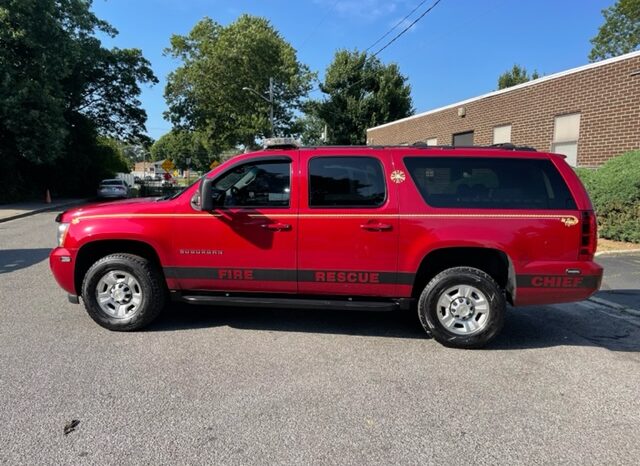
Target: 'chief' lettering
[{"x": 549, "y": 281}]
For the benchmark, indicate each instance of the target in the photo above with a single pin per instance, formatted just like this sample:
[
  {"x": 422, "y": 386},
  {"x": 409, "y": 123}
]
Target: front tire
[
  {"x": 462, "y": 307},
  {"x": 123, "y": 292}
]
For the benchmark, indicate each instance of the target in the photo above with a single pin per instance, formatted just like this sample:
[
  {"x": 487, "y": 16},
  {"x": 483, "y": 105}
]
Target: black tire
[
  {"x": 460, "y": 276},
  {"x": 151, "y": 288}
]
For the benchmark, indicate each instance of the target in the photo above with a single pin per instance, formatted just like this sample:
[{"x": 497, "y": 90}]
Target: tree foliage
[
  {"x": 179, "y": 145},
  {"x": 205, "y": 94},
  {"x": 516, "y": 75},
  {"x": 60, "y": 89},
  {"x": 361, "y": 92},
  {"x": 620, "y": 32},
  {"x": 614, "y": 189}
]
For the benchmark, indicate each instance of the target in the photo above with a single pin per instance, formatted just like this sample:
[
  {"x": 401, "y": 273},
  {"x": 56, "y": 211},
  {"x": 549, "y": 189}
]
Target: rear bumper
[
  {"x": 556, "y": 282},
  {"x": 62, "y": 264}
]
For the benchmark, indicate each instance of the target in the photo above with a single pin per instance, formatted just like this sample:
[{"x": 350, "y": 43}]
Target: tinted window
[
  {"x": 346, "y": 181},
  {"x": 489, "y": 183},
  {"x": 265, "y": 184}
]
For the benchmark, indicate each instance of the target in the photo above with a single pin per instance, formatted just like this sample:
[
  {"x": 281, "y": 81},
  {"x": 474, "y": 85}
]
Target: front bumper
[{"x": 62, "y": 264}]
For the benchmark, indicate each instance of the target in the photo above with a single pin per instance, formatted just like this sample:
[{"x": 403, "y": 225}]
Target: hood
[{"x": 125, "y": 206}]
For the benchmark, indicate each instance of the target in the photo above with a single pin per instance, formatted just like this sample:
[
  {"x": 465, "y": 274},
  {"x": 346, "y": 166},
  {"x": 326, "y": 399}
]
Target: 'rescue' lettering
[
  {"x": 235, "y": 274},
  {"x": 347, "y": 277}
]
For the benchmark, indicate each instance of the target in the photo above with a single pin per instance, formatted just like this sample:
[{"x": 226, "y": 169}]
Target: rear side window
[
  {"x": 489, "y": 183},
  {"x": 346, "y": 182}
]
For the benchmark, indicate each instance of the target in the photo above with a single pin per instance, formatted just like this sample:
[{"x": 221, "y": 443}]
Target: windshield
[
  {"x": 173, "y": 196},
  {"x": 111, "y": 182}
]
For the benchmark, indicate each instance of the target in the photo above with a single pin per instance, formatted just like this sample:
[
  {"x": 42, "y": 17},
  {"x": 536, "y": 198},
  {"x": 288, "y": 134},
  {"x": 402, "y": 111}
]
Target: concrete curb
[
  {"x": 617, "y": 251},
  {"x": 616, "y": 306},
  {"x": 44, "y": 209}
]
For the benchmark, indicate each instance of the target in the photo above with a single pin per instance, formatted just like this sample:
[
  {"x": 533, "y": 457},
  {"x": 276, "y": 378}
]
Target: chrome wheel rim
[
  {"x": 119, "y": 294},
  {"x": 463, "y": 310}
]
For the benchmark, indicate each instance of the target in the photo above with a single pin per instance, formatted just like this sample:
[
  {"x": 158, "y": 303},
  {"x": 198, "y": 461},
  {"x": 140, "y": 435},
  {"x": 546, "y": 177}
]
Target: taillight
[{"x": 588, "y": 235}]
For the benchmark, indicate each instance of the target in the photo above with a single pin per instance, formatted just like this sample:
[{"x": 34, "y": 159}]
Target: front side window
[
  {"x": 258, "y": 184},
  {"x": 346, "y": 182},
  {"x": 489, "y": 183}
]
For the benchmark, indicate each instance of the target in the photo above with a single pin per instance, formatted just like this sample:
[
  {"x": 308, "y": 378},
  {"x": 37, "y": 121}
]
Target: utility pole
[
  {"x": 273, "y": 131},
  {"x": 269, "y": 100}
]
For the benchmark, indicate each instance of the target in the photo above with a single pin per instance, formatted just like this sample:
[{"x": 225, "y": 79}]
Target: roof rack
[{"x": 502, "y": 145}]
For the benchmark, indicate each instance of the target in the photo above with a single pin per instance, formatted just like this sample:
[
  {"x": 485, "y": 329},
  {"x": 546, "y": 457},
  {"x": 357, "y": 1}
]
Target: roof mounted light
[{"x": 281, "y": 143}]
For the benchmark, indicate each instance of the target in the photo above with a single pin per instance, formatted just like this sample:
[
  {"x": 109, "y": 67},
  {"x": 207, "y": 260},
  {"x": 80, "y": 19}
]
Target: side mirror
[{"x": 206, "y": 199}]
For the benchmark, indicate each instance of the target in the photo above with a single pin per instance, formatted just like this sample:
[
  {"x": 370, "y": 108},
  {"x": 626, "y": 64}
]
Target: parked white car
[{"x": 113, "y": 188}]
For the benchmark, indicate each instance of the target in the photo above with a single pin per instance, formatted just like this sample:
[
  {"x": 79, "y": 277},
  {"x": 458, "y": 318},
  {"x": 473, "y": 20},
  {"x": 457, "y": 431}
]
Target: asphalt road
[
  {"x": 621, "y": 281},
  {"x": 559, "y": 386}
]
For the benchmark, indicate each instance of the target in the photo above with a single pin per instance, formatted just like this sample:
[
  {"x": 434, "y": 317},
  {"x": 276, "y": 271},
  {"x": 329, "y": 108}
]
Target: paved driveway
[
  {"x": 621, "y": 283},
  {"x": 232, "y": 386}
]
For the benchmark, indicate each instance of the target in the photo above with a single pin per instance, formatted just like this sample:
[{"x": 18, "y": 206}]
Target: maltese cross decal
[{"x": 398, "y": 176}]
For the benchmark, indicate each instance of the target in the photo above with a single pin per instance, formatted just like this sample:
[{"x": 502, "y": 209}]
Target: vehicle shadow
[
  {"x": 16, "y": 259},
  {"x": 525, "y": 328}
]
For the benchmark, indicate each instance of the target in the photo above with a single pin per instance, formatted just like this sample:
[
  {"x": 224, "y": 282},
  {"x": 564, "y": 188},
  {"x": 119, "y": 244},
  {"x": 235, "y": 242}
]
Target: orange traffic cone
[{"x": 47, "y": 198}]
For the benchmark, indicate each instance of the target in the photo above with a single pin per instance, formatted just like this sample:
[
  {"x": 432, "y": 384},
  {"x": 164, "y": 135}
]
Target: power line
[
  {"x": 395, "y": 26},
  {"x": 317, "y": 26},
  {"x": 392, "y": 40},
  {"x": 408, "y": 27}
]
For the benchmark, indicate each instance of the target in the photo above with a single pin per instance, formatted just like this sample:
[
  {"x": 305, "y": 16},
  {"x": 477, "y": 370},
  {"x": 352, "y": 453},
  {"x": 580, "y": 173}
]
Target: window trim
[
  {"x": 254, "y": 161},
  {"x": 368, "y": 207}
]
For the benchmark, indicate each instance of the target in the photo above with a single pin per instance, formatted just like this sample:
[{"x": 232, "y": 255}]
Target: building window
[
  {"x": 502, "y": 134},
  {"x": 432, "y": 142},
  {"x": 566, "y": 131},
  {"x": 463, "y": 139}
]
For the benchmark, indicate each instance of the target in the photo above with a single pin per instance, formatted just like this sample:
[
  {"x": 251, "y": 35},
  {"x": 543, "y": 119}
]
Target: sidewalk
[{"x": 24, "y": 209}]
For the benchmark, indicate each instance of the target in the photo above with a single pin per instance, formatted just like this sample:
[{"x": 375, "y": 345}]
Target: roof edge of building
[{"x": 534, "y": 82}]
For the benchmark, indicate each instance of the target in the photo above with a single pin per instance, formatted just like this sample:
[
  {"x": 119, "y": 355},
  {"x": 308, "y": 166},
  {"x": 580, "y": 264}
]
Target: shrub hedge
[{"x": 614, "y": 189}]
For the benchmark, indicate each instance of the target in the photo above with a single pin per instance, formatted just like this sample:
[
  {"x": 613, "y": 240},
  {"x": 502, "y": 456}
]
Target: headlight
[{"x": 62, "y": 233}]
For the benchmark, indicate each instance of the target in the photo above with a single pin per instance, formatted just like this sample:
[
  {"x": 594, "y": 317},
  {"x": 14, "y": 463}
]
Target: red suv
[{"x": 454, "y": 232}]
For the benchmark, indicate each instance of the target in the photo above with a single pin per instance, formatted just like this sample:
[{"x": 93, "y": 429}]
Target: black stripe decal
[
  {"x": 272, "y": 275},
  {"x": 289, "y": 275},
  {"x": 557, "y": 281}
]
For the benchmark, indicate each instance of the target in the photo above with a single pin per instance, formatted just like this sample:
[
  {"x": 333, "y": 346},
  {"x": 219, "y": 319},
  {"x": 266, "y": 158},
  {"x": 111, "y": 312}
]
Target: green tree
[
  {"x": 516, "y": 75},
  {"x": 205, "y": 94},
  {"x": 178, "y": 145},
  {"x": 361, "y": 92},
  {"x": 60, "y": 89},
  {"x": 311, "y": 130},
  {"x": 620, "y": 32}
]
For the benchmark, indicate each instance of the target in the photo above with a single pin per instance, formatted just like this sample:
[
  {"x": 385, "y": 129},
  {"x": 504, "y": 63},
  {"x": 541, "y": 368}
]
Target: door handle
[
  {"x": 376, "y": 226},
  {"x": 276, "y": 226}
]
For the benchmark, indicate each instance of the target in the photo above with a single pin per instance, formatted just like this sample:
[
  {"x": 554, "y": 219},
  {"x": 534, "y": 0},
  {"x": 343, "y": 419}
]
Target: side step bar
[{"x": 294, "y": 303}]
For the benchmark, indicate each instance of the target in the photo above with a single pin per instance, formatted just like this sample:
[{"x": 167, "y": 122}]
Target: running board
[{"x": 293, "y": 303}]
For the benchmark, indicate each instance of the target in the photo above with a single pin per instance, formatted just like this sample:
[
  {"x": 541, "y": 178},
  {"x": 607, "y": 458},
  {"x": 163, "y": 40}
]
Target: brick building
[{"x": 590, "y": 114}]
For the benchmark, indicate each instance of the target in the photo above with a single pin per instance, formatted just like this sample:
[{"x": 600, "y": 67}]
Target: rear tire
[
  {"x": 123, "y": 292},
  {"x": 462, "y": 307}
]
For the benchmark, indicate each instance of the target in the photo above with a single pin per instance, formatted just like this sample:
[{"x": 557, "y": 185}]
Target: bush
[{"x": 614, "y": 189}]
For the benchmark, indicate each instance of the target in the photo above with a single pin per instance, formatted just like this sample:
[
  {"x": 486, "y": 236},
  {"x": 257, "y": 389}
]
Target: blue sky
[{"x": 455, "y": 52}]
